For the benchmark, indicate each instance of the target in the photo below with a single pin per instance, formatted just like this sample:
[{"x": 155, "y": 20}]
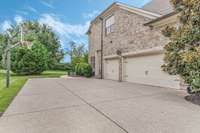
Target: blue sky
[{"x": 68, "y": 18}]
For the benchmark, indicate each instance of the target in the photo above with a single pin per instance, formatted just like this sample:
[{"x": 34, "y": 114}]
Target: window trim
[{"x": 109, "y": 28}]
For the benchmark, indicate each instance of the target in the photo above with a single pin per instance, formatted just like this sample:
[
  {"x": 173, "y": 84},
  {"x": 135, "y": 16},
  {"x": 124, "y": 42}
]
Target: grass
[
  {"x": 17, "y": 82},
  {"x": 50, "y": 74}
]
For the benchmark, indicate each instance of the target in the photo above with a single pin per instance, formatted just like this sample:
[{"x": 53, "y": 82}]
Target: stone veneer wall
[
  {"x": 94, "y": 39},
  {"x": 130, "y": 34}
]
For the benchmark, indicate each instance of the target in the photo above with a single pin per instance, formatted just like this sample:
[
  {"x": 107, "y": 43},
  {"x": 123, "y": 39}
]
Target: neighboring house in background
[{"x": 126, "y": 44}]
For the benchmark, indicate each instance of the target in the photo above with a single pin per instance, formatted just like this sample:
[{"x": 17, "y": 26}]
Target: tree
[
  {"x": 44, "y": 34},
  {"x": 2, "y": 47},
  {"x": 75, "y": 50},
  {"x": 26, "y": 61},
  {"x": 1, "y": 56},
  {"x": 52, "y": 43},
  {"x": 79, "y": 60},
  {"x": 182, "y": 53},
  {"x": 1, "y": 51}
]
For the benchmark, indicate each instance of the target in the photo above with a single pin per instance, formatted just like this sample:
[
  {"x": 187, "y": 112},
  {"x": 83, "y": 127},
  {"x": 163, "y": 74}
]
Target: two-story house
[{"x": 126, "y": 43}]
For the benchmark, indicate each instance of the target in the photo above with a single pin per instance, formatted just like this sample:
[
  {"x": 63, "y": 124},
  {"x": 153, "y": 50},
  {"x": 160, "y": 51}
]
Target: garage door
[
  {"x": 111, "y": 69},
  {"x": 147, "y": 70}
]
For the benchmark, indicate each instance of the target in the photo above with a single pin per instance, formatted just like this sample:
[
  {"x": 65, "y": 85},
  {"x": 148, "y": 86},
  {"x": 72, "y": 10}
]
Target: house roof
[
  {"x": 126, "y": 7},
  {"x": 161, "y": 18},
  {"x": 162, "y": 7},
  {"x": 131, "y": 9}
]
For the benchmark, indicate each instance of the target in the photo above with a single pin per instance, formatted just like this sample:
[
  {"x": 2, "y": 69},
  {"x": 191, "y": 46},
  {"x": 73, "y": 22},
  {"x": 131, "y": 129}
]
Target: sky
[{"x": 69, "y": 19}]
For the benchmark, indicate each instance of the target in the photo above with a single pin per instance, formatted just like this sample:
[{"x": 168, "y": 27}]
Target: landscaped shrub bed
[
  {"x": 79, "y": 67},
  {"x": 83, "y": 69}
]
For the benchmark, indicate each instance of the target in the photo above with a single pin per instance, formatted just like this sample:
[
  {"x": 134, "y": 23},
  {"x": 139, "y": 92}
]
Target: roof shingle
[{"x": 162, "y": 7}]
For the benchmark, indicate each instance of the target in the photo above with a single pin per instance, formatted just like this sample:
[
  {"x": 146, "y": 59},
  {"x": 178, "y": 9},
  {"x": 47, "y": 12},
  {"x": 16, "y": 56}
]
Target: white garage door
[
  {"x": 111, "y": 69},
  {"x": 147, "y": 70}
]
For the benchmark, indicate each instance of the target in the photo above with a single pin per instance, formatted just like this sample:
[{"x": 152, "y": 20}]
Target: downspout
[
  {"x": 101, "y": 47},
  {"x": 119, "y": 53}
]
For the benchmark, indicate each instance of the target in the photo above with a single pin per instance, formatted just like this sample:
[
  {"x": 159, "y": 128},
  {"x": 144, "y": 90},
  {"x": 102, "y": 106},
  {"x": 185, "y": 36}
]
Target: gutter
[{"x": 101, "y": 47}]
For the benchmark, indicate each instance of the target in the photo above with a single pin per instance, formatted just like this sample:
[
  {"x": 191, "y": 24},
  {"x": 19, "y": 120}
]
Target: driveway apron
[{"x": 79, "y": 105}]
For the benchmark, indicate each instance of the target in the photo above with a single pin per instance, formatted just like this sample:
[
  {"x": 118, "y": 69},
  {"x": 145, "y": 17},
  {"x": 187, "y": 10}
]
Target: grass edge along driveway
[{"x": 17, "y": 82}]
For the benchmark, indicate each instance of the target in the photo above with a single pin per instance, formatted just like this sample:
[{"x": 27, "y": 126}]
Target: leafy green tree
[
  {"x": 2, "y": 47},
  {"x": 44, "y": 34},
  {"x": 26, "y": 61},
  {"x": 52, "y": 43},
  {"x": 182, "y": 53},
  {"x": 1, "y": 50},
  {"x": 1, "y": 56}
]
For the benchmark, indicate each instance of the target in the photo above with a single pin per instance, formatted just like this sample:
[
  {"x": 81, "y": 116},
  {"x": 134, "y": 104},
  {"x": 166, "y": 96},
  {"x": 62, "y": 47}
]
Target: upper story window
[{"x": 110, "y": 25}]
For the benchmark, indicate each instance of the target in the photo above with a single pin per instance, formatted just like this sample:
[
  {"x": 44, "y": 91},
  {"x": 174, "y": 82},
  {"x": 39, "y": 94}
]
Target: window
[{"x": 110, "y": 25}]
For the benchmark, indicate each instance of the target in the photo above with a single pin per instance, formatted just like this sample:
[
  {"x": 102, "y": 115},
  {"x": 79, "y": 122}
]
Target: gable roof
[
  {"x": 162, "y": 7},
  {"x": 126, "y": 7},
  {"x": 132, "y": 9}
]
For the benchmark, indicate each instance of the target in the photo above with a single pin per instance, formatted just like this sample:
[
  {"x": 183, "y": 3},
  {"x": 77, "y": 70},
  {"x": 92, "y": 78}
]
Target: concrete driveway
[{"x": 98, "y": 106}]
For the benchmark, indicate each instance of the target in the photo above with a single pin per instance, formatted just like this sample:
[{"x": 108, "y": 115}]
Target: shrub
[
  {"x": 83, "y": 69},
  {"x": 191, "y": 63},
  {"x": 85, "y": 57},
  {"x": 62, "y": 66},
  {"x": 80, "y": 66},
  {"x": 88, "y": 71},
  {"x": 26, "y": 61}
]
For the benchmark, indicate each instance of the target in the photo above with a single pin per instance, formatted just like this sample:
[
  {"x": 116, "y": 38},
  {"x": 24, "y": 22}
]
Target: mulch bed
[{"x": 194, "y": 98}]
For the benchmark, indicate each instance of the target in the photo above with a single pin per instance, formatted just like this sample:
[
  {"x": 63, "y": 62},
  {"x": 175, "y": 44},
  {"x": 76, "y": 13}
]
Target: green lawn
[{"x": 17, "y": 82}]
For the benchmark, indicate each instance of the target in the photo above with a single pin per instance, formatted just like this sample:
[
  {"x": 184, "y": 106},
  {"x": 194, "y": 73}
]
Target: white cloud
[
  {"x": 91, "y": 14},
  {"x": 32, "y": 9},
  {"x": 66, "y": 31},
  {"x": 22, "y": 12},
  {"x": 5, "y": 25},
  {"x": 46, "y": 3},
  {"x": 18, "y": 19}
]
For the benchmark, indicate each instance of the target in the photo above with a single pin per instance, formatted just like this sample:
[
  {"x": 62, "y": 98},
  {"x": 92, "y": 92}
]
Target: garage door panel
[
  {"x": 111, "y": 69},
  {"x": 147, "y": 70}
]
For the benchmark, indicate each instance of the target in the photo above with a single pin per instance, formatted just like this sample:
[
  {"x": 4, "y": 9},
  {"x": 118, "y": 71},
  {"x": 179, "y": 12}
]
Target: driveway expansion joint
[
  {"x": 43, "y": 110},
  {"x": 125, "y": 99},
  {"x": 99, "y": 111}
]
